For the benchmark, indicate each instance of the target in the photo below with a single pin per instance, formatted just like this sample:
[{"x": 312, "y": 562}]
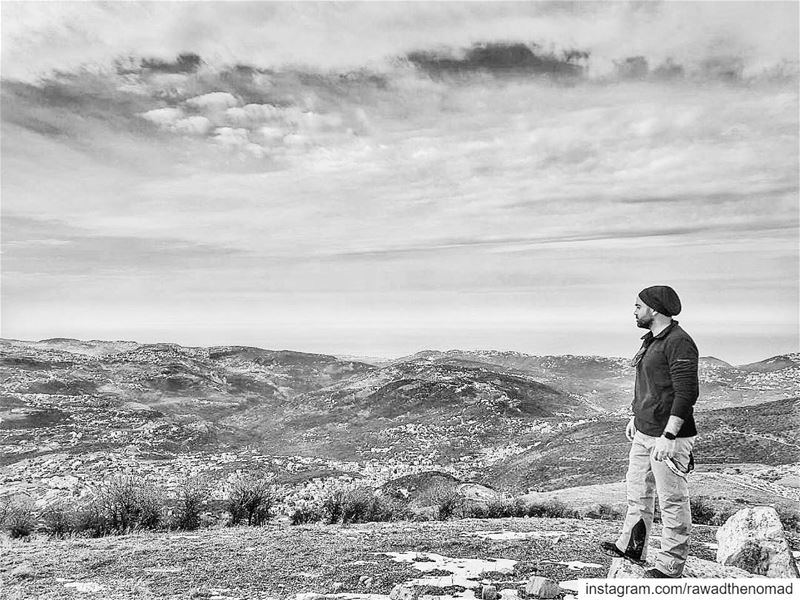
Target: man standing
[{"x": 662, "y": 432}]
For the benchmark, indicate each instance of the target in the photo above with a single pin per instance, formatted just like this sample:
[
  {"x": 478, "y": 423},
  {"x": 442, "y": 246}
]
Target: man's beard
[{"x": 644, "y": 322}]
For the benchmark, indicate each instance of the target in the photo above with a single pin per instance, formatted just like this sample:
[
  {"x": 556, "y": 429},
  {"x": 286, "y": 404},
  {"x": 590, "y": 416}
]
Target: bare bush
[
  {"x": 359, "y": 505},
  {"x": 193, "y": 498},
  {"x": 450, "y": 502},
  {"x": 5, "y": 505},
  {"x": 333, "y": 506},
  {"x": 306, "y": 513},
  {"x": 59, "y": 519},
  {"x": 552, "y": 509},
  {"x": 20, "y": 519},
  {"x": 250, "y": 501},
  {"x": 495, "y": 509},
  {"x": 122, "y": 505}
]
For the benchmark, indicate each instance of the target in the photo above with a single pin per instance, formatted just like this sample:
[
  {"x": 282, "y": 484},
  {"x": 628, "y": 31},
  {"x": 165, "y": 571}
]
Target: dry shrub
[
  {"x": 124, "y": 504},
  {"x": 20, "y": 518},
  {"x": 359, "y": 505},
  {"x": 193, "y": 498},
  {"x": 306, "y": 513},
  {"x": 59, "y": 519},
  {"x": 551, "y": 509},
  {"x": 250, "y": 501}
]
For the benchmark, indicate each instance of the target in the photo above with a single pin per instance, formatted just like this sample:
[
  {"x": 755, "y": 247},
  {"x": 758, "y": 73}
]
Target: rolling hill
[
  {"x": 73, "y": 411},
  {"x": 596, "y": 452}
]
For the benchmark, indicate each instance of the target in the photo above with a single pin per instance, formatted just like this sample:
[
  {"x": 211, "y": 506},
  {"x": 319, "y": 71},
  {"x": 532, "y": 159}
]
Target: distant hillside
[
  {"x": 504, "y": 418},
  {"x": 413, "y": 408},
  {"x": 596, "y": 452},
  {"x": 607, "y": 383},
  {"x": 775, "y": 363},
  {"x": 84, "y": 396}
]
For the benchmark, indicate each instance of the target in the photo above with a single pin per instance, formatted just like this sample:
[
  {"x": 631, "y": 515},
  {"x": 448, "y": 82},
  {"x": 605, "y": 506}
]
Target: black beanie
[{"x": 661, "y": 298}]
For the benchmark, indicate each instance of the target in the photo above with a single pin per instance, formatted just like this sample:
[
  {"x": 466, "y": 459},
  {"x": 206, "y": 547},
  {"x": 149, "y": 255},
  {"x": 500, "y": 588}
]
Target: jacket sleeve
[{"x": 682, "y": 357}]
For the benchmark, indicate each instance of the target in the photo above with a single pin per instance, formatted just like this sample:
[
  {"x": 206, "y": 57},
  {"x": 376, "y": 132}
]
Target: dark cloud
[
  {"x": 501, "y": 59},
  {"x": 184, "y": 63},
  {"x": 67, "y": 105}
]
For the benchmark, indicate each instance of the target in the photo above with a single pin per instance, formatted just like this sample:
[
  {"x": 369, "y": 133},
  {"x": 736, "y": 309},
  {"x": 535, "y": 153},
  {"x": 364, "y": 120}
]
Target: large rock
[
  {"x": 542, "y": 587},
  {"x": 695, "y": 567},
  {"x": 475, "y": 492},
  {"x": 753, "y": 540}
]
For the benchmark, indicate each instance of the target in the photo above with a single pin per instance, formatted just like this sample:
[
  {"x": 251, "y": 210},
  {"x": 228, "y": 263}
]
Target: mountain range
[{"x": 506, "y": 419}]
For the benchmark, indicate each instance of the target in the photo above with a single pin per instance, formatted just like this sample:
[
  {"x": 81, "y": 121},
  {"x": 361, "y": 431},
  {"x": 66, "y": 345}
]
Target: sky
[{"x": 382, "y": 178}]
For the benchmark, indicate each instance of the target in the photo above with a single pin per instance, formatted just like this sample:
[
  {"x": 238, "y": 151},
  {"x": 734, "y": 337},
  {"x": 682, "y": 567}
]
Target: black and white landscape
[
  {"x": 293, "y": 207},
  {"x": 75, "y": 411}
]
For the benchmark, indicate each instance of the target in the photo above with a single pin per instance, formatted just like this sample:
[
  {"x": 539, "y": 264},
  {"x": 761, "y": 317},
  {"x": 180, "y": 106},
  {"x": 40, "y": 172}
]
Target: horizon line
[{"x": 345, "y": 355}]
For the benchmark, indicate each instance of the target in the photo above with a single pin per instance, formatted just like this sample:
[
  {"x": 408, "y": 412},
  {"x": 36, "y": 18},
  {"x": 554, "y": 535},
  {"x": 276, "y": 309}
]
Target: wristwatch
[{"x": 669, "y": 436}]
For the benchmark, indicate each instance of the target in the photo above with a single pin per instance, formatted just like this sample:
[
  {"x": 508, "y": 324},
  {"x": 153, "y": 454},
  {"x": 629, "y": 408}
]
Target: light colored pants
[{"x": 646, "y": 477}]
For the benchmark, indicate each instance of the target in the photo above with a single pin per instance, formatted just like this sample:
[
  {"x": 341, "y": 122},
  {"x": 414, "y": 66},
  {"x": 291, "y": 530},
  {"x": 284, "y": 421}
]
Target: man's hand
[
  {"x": 630, "y": 430},
  {"x": 664, "y": 448}
]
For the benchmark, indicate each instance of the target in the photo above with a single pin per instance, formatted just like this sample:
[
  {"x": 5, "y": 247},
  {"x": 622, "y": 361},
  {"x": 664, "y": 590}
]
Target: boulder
[
  {"x": 488, "y": 592},
  {"x": 542, "y": 587},
  {"x": 753, "y": 540},
  {"x": 475, "y": 492},
  {"x": 695, "y": 568},
  {"x": 403, "y": 591}
]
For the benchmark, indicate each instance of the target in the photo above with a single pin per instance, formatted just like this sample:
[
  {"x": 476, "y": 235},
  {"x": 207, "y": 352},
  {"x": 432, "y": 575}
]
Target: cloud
[
  {"x": 213, "y": 101},
  {"x": 50, "y": 247},
  {"x": 39, "y": 38},
  {"x": 195, "y": 125},
  {"x": 238, "y": 187},
  {"x": 164, "y": 117}
]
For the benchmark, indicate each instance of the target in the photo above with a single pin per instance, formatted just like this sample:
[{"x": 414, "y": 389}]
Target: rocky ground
[{"x": 282, "y": 561}]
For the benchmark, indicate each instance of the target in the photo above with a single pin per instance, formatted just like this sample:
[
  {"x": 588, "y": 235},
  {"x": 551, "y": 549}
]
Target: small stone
[
  {"x": 337, "y": 587},
  {"x": 85, "y": 587},
  {"x": 23, "y": 571},
  {"x": 542, "y": 587},
  {"x": 625, "y": 569},
  {"x": 403, "y": 592},
  {"x": 309, "y": 596},
  {"x": 488, "y": 592}
]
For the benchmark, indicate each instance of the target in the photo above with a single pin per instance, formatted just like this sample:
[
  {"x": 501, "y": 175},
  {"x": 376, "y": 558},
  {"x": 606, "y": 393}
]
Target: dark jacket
[{"x": 666, "y": 381}]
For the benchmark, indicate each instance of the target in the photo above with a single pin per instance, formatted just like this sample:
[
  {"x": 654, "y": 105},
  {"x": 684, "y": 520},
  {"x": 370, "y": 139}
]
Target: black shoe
[
  {"x": 657, "y": 574},
  {"x": 611, "y": 549}
]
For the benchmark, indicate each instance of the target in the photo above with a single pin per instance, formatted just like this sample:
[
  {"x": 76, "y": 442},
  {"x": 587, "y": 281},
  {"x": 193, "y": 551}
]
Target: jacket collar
[{"x": 649, "y": 337}]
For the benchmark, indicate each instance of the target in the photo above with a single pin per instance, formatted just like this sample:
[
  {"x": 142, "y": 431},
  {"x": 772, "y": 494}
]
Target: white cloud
[
  {"x": 231, "y": 136},
  {"x": 165, "y": 117},
  {"x": 213, "y": 101},
  {"x": 195, "y": 125}
]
